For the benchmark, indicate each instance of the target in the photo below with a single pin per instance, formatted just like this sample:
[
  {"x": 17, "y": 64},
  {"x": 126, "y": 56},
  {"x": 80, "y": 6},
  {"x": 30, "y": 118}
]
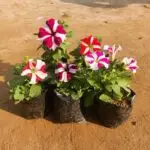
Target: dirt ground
[{"x": 127, "y": 25}]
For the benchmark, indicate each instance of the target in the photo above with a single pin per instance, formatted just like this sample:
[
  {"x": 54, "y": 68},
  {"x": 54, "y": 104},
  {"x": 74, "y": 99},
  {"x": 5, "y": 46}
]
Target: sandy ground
[{"x": 129, "y": 26}]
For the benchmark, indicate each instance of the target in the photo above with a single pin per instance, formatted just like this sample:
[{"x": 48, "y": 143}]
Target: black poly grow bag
[
  {"x": 67, "y": 110},
  {"x": 34, "y": 108},
  {"x": 113, "y": 115}
]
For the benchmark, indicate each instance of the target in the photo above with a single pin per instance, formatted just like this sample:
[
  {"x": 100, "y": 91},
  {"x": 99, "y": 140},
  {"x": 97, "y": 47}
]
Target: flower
[
  {"x": 52, "y": 34},
  {"x": 35, "y": 70},
  {"x": 64, "y": 71},
  {"x": 112, "y": 50},
  {"x": 88, "y": 44},
  {"x": 108, "y": 48},
  {"x": 130, "y": 64},
  {"x": 97, "y": 60}
]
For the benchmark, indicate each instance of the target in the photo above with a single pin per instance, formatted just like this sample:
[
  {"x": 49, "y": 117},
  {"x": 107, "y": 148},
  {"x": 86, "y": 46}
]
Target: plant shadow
[
  {"x": 106, "y": 3},
  {"x": 6, "y": 73}
]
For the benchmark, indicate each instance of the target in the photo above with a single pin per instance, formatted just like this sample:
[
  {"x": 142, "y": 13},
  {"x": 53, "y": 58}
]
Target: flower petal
[
  {"x": 26, "y": 72},
  {"x": 32, "y": 64},
  {"x": 87, "y": 40},
  {"x": 100, "y": 55},
  {"x": 105, "y": 62},
  {"x": 69, "y": 76},
  {"x": 60, "y": 29},
  {"x": 89, "y": 58},
  {"x": 40, "y": 64},
  {"x": 54, "y": 46},
  {"x": 94, "y": 66},
  {"x": 41, "y": 75},
  {"x": 59, "y": 70},
  {"x": 33, "y": 79},
  {"x": 131, "y": 64},
  {"x": 96, "y": 44},
  {"x": 72, "y": 68},
  {"x": 55, "y": 26},
  {"x": 52, "y": 24},
  {"x": 108, "y": 48},
  {"x": 43, "y": 32},
  {"x": 57, "y": 40},
  {"x": 61, "y": 36},
  {"x": 84, "y": 49},
  {"x": 48, "y": 42},
  {"x": 64, "y": 77}
]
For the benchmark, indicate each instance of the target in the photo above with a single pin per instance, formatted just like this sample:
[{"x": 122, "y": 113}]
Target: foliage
[
  {"x": 108, "y": 85},
  {"x": 19, "y": 87}
]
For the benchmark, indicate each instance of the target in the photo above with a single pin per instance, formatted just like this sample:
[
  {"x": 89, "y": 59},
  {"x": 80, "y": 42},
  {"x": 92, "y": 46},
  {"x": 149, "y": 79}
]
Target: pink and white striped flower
[
  {"x": 52, "y": 34},
  {"x": 108, "y": 48},
  {"x": 130, "y": 64},
  {"x": 64, "y": 71},
  {"x": 113, "y": 50},
  {"x": 97, "y": 60},
  {"x": 35, "y": 70},
  {"x": 89, "y": 44}
]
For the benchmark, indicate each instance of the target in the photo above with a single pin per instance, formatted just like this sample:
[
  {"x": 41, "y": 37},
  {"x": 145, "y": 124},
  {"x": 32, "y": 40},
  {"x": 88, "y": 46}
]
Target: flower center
[
  {"x": 33, "y": 70},
  {"x": 67, "y": 69},
  {"x": 91, "y": 46},
  {"x": 53, "y": 33},
  {"x": 96, "y": 60}
]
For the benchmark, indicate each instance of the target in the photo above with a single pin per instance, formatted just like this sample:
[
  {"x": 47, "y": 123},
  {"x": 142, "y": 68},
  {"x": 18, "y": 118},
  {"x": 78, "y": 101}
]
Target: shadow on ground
[
  {"x": 6, "y": 73},
  {"x": 106, "y": 3}
]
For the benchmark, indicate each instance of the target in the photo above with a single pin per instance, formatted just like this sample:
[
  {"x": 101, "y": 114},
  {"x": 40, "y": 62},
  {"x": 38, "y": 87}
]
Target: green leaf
[
  {"x": 57, "y": 55},
  {"x": 105, "y": 98},
  {"x": 116, "y": 89},
  {"x": 108, "y": 87},
  {"x": 65, "y": 25},
  {"x": 93, "y": 83},
  {"x": 35, "y": 91},
  {"x": 19, "y": 80},
  {"x": 18, "y": 69},
  {"x": 75, "y": 84},
  {"x": 75, "y": 96},
  {"x": 19, "y": 93},
  {"x": 65, "y": 45},
  {"x": 69, "y": 34},
  {"x": 123, "y": 82},
  {"x": 99, "y": 38},
  {"x": 76, "y": 53},
  {"x": 117, "y": 97},
  {"x": 126, "y": 74}
]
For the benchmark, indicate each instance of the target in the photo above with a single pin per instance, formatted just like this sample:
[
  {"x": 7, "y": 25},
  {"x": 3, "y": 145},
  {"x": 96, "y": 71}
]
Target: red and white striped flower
[
  {"x": 52, "y": 34},
  {"x": 89, "y": 44},
  {"x": 64, "y": 71},
  {"x": 113, "y": 50},
  {"x": 130, "y": 64},
  {"x": 97, "y": 60},
  {"x": 35, "y": 70}
]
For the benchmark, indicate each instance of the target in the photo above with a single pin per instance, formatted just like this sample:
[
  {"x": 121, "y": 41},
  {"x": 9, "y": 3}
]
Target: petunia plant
[
  {"x": 28, "y": 82},
  {"x": 62, "y": 71},
  {"x": 107, "y": 78}
]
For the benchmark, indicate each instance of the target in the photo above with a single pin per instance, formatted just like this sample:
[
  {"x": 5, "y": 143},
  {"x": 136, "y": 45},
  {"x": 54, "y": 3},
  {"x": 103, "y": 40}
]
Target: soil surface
[{"x": 128, "y": 25}]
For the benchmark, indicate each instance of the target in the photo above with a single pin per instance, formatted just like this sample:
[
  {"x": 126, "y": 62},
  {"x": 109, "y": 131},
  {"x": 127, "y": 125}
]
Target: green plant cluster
[
  {"x": 75, "y": 87},
  {"x": 108, "y": 85},
  {"x": 19, "y": 87}
]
